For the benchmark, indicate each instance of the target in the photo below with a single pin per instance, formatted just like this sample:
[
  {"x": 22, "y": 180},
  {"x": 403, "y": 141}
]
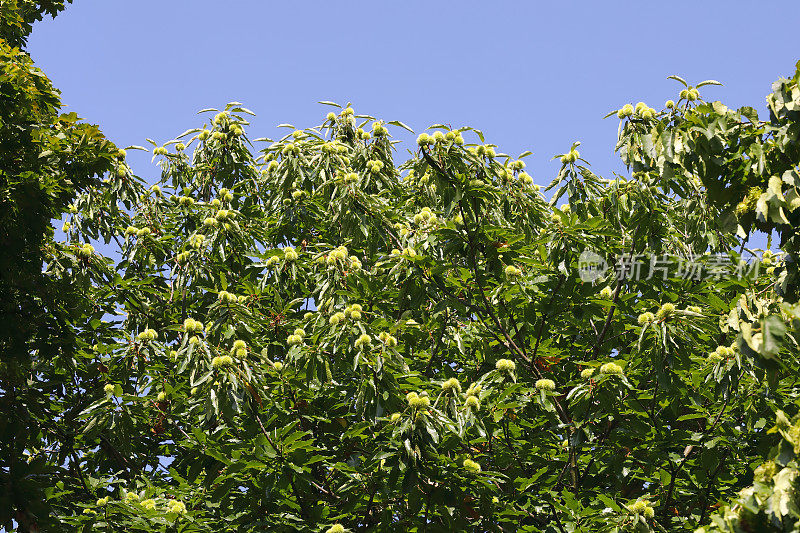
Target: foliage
[
  {"x": 45, "y": 160},
  {"x": 771, "y": 502},
  {"x": 17, "y": 17},
  {"x": 313, "y": 337},
  {"x": 747, "y": 166},
  {"x": 303, "y": 338}
]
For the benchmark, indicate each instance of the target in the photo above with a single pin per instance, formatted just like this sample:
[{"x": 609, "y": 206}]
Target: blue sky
[{"x": 531, "y": 75}]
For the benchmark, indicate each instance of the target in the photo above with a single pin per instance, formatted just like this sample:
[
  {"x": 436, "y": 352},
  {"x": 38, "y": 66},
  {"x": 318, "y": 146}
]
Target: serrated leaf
[
  {"x": 400, "y": 124},
  {"x": 187, "y": 132},
  {"x": 678, "y": 79}
]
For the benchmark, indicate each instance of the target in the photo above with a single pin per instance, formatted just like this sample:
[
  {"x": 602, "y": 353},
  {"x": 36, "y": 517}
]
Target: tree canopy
[
  {"x": 315, "y": 333},
  {"x": 46, "y": 158}
]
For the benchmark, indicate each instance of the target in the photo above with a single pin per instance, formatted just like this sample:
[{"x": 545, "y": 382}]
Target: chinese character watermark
[{"x": 592, "y": 266}]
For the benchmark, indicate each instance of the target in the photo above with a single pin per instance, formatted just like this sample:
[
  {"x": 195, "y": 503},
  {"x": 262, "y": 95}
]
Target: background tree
[
  {"x": 17, "y": 18},
  {"x": 45, "y": 159}
]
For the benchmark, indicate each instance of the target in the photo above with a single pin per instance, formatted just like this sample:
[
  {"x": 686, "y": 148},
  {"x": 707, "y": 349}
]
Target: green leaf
[
  {"x": 678, "y": 79},
  {"x": 400, "y": 124}
]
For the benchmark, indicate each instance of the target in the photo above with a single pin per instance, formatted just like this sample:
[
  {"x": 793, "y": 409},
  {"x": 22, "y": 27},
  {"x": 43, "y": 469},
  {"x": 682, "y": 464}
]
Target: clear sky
[{"x": 531, "y": 75}]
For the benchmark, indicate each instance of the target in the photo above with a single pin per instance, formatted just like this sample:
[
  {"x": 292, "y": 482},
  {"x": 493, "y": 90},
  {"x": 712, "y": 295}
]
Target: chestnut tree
[{"x": 316, "y": 334}]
